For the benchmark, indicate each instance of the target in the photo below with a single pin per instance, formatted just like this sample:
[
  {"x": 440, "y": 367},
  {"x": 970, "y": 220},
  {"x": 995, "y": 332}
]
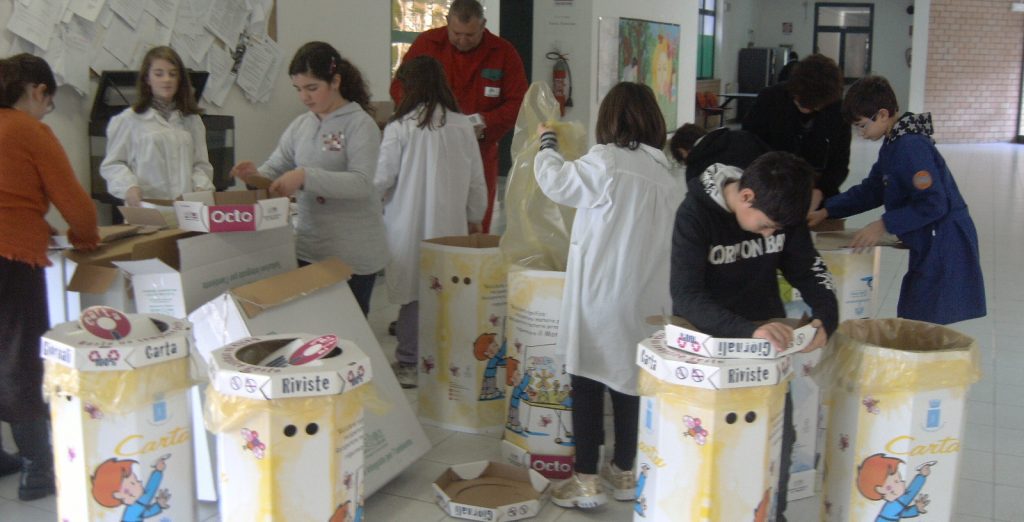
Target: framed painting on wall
[{"x": 649, "y": 54}]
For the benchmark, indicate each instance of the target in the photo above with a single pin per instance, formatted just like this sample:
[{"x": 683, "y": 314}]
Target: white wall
[
  {"x": 891, "y": 36},
  {"x": 573, "y": 28}
]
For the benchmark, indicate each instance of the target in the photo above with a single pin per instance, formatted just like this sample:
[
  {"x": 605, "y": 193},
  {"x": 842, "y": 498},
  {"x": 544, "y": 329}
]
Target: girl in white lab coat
[
  {"x": 617, "y": 275},
  {"x": 326, "y": 159},
  {"x": 431, "y": 179},
  {"x": 157, "y": 147}
]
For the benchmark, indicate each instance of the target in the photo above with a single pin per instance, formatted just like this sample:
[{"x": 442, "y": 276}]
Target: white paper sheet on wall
[
  {"x": 37, "y": 21},
  {"x": 165, "y": 11},
  {"x": 129, "y": 10},
  {"x": 190, "y": 37},
  {"x": 87, "y": 9},
  {"x": 121, "y": 40},
  {"x": 226, "y": 19},
  {"x": 218, "y": 63},
  {"x": 260, "y": 56}
]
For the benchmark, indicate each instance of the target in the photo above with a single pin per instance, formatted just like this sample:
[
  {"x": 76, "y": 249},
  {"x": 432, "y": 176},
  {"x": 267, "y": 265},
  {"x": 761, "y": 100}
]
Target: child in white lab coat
[
  {"x": 617, "y": 275},
  {"x": 157, "y": 147},
  {"x": 431, "y": 179}
]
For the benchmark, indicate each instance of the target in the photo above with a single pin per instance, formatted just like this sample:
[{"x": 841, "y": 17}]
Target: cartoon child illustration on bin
[
  {"x": 518, "y": 393},
  {"x": 878, "y": 478},
  {"x": 641, "y": 501},
  {"x": 486, "y": 348},
  {"x": 115, "y": 483}
]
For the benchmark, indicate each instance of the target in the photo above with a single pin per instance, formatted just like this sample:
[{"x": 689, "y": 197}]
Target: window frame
[
  {"x": 843, "y": 31},
  {"x": 702, "y": 13}
]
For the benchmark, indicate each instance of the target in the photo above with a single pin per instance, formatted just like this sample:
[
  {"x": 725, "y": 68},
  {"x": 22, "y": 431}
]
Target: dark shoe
[
  {"x": 392, "y": 327},
  {"x": 9, "y": 464},
  {"x": 33, "y": 440}
]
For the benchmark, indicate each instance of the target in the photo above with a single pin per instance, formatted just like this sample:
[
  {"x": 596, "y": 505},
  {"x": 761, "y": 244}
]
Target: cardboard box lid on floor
[
  {"x": 231, "y": 211},
  {"x": 288, "y": 365},
  {"x": 679, "y": 333},
  {"x": 316, "y": 298},
  {"x": 676, "y": 367},
  {"x": 490, "y": 491},
  {"x": 105, "y": 339}
]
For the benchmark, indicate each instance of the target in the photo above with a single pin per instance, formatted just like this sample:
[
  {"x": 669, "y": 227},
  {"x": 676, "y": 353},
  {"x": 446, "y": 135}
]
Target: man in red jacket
[{"x": 486, "y": 75}]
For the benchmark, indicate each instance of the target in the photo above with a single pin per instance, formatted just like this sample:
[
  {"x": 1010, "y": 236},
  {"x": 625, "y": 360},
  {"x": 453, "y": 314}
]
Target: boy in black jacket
[
  {"x": 699, "y": 149},
  {"x": 733, "y": 232}
]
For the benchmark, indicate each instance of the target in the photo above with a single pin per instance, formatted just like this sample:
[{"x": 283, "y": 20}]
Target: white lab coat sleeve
[
  {"x": 115, "y": 167},
  {"x": 283, "y": 158},
  {"x": 389, "y": 162},
  {"x": 202, "y": 170},
  {"x": 363, "y": 148},
  {"x": 582, "y": 183},
  {"x": 476, "y": 205}
]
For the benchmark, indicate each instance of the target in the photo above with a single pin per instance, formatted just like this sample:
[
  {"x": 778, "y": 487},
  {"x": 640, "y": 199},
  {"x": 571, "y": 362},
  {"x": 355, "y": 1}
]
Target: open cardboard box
[
  {"x": 173, "y": 271},
  {"x": 490, "y": 491},
  {"x": 673, "y": 366},
  {"x": 316, "y": 298},
  {"x": 679, "y": 333}
]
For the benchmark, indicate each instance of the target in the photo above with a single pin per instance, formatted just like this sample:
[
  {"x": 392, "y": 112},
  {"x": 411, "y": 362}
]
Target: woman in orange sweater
[{"x": 34, "y": 171}]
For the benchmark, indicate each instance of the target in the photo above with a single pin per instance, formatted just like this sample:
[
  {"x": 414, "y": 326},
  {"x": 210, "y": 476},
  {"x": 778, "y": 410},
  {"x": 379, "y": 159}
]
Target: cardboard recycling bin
[
  {"x": 709, "y": 440},
  {"x": 462, "y": 334},
  {"x": 538, "y": 427},
  {"x": 122, "y": 440},
  {"x": 287, "y": 410},
  {"x": 896, "y": 392}
]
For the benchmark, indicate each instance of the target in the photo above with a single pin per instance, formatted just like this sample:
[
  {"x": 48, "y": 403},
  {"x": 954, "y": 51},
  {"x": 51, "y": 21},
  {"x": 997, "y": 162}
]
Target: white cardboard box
[
  {"x": 671, "y": 365},
  {"x": 292, "y": 447},
  {"x": 539, "y": 420},
  {"x": 315, "y": 298},
  {"x": 233, "y": 211},
  {"x": 123, "y": 422},
  {"x": 682, "y": 335},
  {"x": 206, "y": 265},
  {"x": 490, "y": 491},
  {"x": 704, "y": 453}
]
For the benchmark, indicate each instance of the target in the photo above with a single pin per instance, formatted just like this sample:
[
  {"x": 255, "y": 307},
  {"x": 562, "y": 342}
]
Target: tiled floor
[{"x": 991, "y": 486}]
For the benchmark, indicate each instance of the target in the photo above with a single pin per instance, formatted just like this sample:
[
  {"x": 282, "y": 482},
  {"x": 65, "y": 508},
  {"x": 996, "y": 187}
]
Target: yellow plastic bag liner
[
  {"x": 116, "y": 392},
  {"x": 225, "y": 413},
  {"x": 537, "y": 231},
  {"x": 886, "y": 355}
]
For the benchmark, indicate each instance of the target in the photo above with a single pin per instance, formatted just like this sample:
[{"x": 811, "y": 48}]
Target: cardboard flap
[
  {"x": 470, "y": 470},
  {"x": 93, "y": 279},
  {"x": 239, "y": 197},
  {"x": 283, "y": 288},
  {"x": 164, "y": 249},
  {"x": 838, "y": 240},
  {"x": 143, "y": 216},
  {"x": 660, "y": 320},
  {"x": 470, "y": 241},
  {"x": 830, "y": 225},
  {"x": 146, "y": 266},
  {"x": 204, "y": 196},
  {"x": 260, "y": 182}
]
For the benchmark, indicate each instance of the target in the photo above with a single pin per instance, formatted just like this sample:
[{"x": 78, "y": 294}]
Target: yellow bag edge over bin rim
[
  {"x": 867, "y": 355},
  {"x": 116, "y": 392}
]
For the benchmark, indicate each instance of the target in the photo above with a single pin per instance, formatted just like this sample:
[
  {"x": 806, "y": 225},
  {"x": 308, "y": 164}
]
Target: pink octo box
[{"x": 204, "y": 212}]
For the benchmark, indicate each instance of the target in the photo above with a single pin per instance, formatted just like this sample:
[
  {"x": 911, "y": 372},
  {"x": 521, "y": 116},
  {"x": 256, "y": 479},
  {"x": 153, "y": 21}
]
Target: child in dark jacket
[
  {"x": 923, "y": 207},
  {"x": 733, "y": 232}
]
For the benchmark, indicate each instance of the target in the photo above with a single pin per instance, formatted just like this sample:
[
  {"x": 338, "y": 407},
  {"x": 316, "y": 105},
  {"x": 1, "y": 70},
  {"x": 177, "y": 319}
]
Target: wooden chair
[{"x": 708, "y": 104}]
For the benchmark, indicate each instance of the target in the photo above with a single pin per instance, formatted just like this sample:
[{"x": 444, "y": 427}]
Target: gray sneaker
[
  {"x": 622, "y": 483},
  {"x": 406, "y": 374}
]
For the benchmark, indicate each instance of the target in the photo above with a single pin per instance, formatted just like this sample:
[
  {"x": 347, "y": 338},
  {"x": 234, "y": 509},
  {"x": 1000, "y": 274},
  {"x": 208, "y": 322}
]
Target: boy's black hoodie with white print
[{"x": 724, "y": 278}]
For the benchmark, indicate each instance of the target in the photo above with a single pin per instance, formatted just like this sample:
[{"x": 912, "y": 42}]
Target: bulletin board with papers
[{"x": 231, "y": 39}]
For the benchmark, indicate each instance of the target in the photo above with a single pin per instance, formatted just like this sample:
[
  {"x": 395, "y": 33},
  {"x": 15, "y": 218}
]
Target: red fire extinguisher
[{"x": 561, "y": 80}]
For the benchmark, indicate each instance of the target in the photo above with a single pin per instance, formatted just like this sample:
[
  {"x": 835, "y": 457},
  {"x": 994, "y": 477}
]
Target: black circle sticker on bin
[
  {"x": 313, "y": 350},
  {"x": 105, "y": 322}
]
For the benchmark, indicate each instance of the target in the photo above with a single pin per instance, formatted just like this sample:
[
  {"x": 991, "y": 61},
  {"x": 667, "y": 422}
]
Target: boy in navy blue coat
[{"x": 923, "y": 207}]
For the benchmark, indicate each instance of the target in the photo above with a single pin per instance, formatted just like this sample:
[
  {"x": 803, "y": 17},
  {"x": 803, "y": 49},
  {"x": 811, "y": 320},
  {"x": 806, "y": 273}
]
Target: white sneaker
[
  {"x": 580, "y": 490},
  {"x": 622, "y": 483},
  {"x": 406, "y": 373}
]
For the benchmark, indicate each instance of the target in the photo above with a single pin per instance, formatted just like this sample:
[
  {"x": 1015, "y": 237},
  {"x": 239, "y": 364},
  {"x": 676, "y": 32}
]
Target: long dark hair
[
  {"x": 424, "y": 82},
  {"x": 629, "y": 115},
  {"x": 183, "y": 95},
  {"x": 322, "y": 61},
  {"x": 20, "y": 71}
]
